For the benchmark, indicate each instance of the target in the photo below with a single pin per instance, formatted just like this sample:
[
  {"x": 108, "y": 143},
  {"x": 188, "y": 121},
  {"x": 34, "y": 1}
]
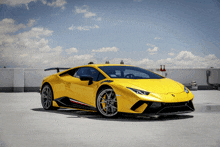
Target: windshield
[{"x": 129, "y": 72}]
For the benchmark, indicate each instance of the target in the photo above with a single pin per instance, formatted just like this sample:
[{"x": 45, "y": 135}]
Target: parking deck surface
[{"x": 23, "y": 123}]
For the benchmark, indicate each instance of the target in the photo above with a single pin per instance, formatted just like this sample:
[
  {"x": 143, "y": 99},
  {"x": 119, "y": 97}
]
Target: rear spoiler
[{"x": 56, "y": 68}]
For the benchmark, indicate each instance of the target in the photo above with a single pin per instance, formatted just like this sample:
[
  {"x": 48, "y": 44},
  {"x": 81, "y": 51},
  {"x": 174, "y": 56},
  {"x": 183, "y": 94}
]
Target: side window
[
  {"x": 80, "y": 72},
  {"x": 70, "y": 72},
  {"x": 89, "y": 71},
  {"x": 100, "y": 77},
  {"x": 118, "y": 73}
]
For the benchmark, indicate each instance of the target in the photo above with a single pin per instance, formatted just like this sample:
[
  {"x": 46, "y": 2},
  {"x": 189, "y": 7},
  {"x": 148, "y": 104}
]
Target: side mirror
[{"x": 87, "y": 78}]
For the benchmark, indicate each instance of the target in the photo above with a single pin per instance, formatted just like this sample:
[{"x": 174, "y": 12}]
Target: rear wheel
[
  {"x": 47, "y": 98},
  {"x": 106, "y": 103}
]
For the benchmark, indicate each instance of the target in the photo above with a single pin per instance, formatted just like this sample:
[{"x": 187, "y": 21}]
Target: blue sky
[{"x": 146, "y": 33}]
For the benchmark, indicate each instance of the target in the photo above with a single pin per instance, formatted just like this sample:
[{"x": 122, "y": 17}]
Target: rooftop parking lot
[{"x": 23, "y": 122}]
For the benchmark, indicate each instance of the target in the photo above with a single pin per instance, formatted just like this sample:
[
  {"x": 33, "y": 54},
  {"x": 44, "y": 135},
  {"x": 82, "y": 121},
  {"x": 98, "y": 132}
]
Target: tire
[
  {"x": 106, "y": 103},
  {"x": 47, "y": 98}
]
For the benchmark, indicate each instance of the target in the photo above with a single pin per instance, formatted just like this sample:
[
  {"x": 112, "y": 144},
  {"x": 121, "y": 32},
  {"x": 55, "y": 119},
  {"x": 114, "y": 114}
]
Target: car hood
[{"x": 164, "y": 85}]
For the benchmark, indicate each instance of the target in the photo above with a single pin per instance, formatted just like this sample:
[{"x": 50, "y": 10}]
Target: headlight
[
  {"x": 186, "y": 90},
  {"x": 139, "y": 91}
]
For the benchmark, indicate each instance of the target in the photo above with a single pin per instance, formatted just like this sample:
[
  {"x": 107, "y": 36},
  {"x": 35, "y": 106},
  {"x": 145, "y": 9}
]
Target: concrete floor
[{"x": 23, "y": 123}]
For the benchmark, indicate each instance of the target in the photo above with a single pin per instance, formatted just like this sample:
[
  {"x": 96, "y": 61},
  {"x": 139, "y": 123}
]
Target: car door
[
  {"x": 64, "y": 88},
  {"x": 83, "y": 91}
]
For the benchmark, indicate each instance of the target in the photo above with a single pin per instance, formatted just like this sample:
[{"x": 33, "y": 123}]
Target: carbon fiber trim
[
  {"x": 138, "y": 104},
  {"x": 69, "y": 102},
  {"x": 106, "y": 81}
]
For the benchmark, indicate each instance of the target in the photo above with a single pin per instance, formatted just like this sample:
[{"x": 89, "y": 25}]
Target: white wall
[
  {"x": 34, "y": 77},
  {"x": 19, "y": 79},
  {"x": 215, "y": 76},
  {"x": 186, "y": 76},
  {"x": 6, "y": 77}
]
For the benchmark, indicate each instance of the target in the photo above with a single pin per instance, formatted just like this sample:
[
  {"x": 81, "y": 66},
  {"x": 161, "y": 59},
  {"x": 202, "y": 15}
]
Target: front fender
[{"x": 125, "y": 98}]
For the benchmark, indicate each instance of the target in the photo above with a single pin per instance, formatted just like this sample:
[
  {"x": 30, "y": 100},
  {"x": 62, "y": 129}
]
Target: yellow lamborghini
[{"x": 114, "y": 88}]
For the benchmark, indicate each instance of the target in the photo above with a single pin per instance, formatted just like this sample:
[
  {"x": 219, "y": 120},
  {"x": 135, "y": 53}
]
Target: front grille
[
  {"x": 170, "y": 110},
  {"x": 175, "y": 104}
]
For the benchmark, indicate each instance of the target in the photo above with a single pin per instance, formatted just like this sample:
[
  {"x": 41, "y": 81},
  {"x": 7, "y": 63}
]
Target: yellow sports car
[{"x": 114, "y": 88}]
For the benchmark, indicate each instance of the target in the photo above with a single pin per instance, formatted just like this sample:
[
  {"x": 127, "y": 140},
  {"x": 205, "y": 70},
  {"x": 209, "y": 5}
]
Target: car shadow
[{"x": 122, "y": 116}]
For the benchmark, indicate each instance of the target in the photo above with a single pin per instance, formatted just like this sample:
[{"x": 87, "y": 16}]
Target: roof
[{"x": 97, "y": 65}]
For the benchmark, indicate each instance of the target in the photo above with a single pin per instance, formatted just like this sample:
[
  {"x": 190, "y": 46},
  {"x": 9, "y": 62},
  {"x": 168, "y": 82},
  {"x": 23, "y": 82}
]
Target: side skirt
[{"x": 69, "y": 102}]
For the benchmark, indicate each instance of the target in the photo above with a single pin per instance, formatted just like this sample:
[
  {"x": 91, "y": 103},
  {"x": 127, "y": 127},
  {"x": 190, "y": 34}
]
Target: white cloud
[
  {"x": 57, "y": 49},
  {"x": 171, "y": 54},
  {"x": 24, "y": 55},
  {"x": 89, "y": 14},
  {"x": 31, "y": 22},
  {"x": 31, "y": 48},
  {"x": 99, "y": 19},
  {"x": 106, "y": 49},
  {"x": 71, "y": 28},
  {"x": 57, "y": 3},
  {"x": 145, "y": 62},
  {"x": 153, "y": 51},
  {"x": 82, "y": 57},
  {"x": 195, "y": 62},
  {"x": 78, "y": 60},
  {"x": 151, "y": 45},
  {"x": 54, "y": 3},
  {"x": 36, "y": 33},
  {"x": 211, "y": 57},
  {"x": 186, "y": 59},
  {"x": 157, "y": 38},
  {"x": 85, "y": 10},
  {"x": 45, "y": 48},
  {"x": 27, "y": 48},
  {"x": 71, "y": 50},
  {"x": 83, "y": 28},
  {"x": 128, "y": 61},
  {"x": 8, "y": 25},
  {"x": 44, "y": 2},
  {"x": 185, "y": 55},
  {"x": 15, "y": 3}
]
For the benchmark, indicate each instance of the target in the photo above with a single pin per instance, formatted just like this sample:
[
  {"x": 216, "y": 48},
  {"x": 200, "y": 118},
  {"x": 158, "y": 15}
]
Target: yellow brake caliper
[{"x": 103, "y": 102}]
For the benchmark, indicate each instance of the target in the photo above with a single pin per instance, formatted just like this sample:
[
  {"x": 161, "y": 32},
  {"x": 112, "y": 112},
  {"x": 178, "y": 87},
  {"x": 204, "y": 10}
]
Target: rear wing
[{"x": 56, "y": 68}]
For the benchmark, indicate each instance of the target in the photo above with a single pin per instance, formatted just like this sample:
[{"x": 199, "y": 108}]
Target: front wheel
[{"x": 106, "y": 103}]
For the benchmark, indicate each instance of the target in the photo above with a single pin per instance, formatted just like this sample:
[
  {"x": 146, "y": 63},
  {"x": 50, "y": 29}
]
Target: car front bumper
[{"x": 160, "y": 108}]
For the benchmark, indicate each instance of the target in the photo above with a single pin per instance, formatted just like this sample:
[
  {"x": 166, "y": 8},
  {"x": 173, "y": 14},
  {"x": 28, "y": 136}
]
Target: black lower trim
[
  {"x": 69, "y": 102},
  {"x": 158, "y": 108},
  {"x": 6, "y": 89},
  {"x": 19, "y": 89},
  {"x": 31, "y": 89},
  {"x": 136, "y": 105}
]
